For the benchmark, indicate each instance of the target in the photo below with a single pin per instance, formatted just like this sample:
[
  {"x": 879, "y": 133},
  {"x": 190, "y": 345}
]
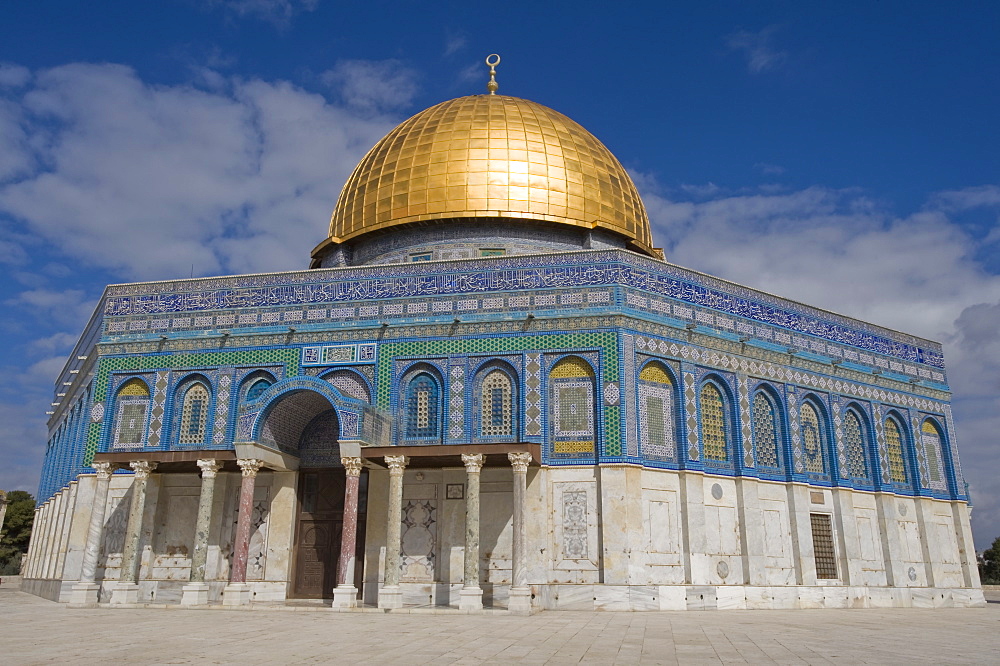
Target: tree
[
  {"x": 16, "y": 531},
  {"x": 989, "y": 566}
]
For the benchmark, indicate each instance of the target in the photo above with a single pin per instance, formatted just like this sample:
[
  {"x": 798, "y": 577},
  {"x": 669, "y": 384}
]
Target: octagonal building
[{"x": 489, "y": 390}]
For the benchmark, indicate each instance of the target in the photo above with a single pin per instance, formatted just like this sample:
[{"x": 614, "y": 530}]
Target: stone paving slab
[{"x": 36, "y": 631}]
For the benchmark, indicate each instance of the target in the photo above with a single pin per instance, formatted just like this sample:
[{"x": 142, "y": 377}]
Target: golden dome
[{"x": 490, "y": 156}]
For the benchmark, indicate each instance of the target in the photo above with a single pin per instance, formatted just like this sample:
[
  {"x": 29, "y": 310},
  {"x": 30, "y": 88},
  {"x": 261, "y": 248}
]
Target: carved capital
[
  {"x": 396, "y": 464},
  {"x": 250, "y": 466},
  {"x": 104, "y": 470},
  {"x": 209, "y": 467},
  {"x": 473, "y": 462},
  {"x": 519, "y": 461},
  {"x": 142, "y": 468},
  {"x": 351, "y": 465}
]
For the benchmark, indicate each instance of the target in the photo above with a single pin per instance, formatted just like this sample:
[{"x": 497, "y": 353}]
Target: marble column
[
  {"x": 391, "y": 596},
  {"x": 520, "y": 593},
  {"x": 87, "y": 591},
  {"x": 195, "y": 593},
  {"x": 127, "y": 589},
  {"x": 345, "y": 595},
  {"x": 471, "y": 596},
  {"x": 237, "y": 593}
]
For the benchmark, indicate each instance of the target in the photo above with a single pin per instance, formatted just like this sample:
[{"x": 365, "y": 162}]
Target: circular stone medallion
[
  {"x": 717, "y": 491},
  {"x": 722, "y": 568}
]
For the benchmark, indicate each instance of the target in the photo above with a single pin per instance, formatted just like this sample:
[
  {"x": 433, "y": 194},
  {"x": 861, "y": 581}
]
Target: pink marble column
[
  {"x": 345, "y": 595},
  {"x": 238, "y": 592}
]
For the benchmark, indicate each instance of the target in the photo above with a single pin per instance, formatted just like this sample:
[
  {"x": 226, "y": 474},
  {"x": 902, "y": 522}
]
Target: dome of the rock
[{"x": 484, "y": 157}]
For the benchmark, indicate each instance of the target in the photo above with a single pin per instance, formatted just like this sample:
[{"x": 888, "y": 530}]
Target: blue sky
[{"x": 842, "y": 155}]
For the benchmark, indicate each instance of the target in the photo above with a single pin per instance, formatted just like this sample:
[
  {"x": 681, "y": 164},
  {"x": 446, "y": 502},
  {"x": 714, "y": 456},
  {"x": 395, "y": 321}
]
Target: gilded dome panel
[{"x": 489, "y": 156}]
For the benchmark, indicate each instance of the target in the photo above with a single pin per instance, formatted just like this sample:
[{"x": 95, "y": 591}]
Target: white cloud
[
  {"x": 454, "y": 43},
  {"x": 13, "y": 76},
  {"x": 769, "y": 169},
  {"x": 68, "y": 306},
  {"x": 279, "y": 12},
  {"x": 757, "y": 48},
  {"x": 839, "y": 250},
  {"x": 372, "y": 86},
  {"x": 146, "y": 180},
  {"x": 983, "y": 196}
]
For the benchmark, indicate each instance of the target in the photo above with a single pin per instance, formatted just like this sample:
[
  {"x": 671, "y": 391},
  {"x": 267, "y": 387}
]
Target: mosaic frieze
[{"x": 591, "y": 269}]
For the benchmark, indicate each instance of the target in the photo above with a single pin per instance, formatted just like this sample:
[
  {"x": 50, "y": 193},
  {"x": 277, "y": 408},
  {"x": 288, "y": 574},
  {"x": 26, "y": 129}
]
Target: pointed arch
[
  {"x": 766, "y": 426},
  {"x": 814, "y": 430},
  {"x": 254, "y": 384},
  {"x": 657, "y": 411},
  {"x": 932, "y": 442},
  {"x": 714, "y": 421},
  {"x": 132, "y": 414},
  {"x": 894, "y": 440},
  {"x": 496, "y": 387},
  {"x": 195, "y": 397},
  {"x": 421, "y": 398},
  {"x": 572, "y": 407},
  {"x": 857, "y": 444}
]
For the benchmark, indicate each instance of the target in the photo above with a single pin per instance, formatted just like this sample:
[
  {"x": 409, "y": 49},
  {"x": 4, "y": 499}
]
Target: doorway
[{"x": 319, "y": 524}]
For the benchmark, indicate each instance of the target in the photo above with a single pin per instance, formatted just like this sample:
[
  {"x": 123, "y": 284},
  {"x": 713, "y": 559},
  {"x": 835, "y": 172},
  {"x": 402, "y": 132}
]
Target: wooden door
[
  {"x": 317, "y": 542},
  {"x": 318, "y": 529}
]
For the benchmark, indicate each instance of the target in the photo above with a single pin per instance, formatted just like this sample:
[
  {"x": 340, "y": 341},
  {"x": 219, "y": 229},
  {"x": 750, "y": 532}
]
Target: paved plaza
[{"x": 36, "y": 631}]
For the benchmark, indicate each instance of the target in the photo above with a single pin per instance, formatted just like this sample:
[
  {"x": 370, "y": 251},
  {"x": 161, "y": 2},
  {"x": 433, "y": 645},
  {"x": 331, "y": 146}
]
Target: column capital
[
  {"x": 473, "y": 462},
  {"x": 250, "y": 466},
  {"x": 519, "y": 460},
  {"x": 396, "y": 464},
  {"x": 209, "y": 467},
  {"x": 142, "y": 468},
  {"x": 352, "y": 465},
  {"x": 104, "y": 470}
]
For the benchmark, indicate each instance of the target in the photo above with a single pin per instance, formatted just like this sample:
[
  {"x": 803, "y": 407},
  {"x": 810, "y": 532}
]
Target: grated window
[
  {"x": 765, "y": 431},
  {"x": 496, "y": 417},
  {"x": 713, "y": 423},
  {"x": 894, "y": 442},
  {"x": 822, "y": 534},
  {"x": 422, "y": 407},
  {"x": 854, "y": 440},
  {"x": 194, "y": 415}
]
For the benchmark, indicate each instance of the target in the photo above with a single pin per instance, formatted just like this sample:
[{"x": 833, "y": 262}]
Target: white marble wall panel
[{"x": 173, "y": 534}]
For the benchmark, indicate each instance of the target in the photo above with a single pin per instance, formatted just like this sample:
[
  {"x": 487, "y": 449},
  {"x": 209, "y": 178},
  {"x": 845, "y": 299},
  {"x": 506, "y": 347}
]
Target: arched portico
[{"x": 307, "y": 425}]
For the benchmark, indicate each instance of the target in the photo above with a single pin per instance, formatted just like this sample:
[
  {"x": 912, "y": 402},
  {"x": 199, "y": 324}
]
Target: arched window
[
  {"x": 422, "y": 407},
  {"x": 854, "y": 446},
  {"x": 714, "y": 424},
  {"x": 133, "y": 414},
  {"x": 194, "y": 414},
  {"x": 766, "y": 432},
  {"x": 496, "y": 418},
  {"x": 258, "y": 388},
  {"x": 813, "y": 438},
  {"x": 572, "y": 406},
  {"x": 894, "y": 445},
  {"x": 930, "y": 440},
  {"x": 656, "y": 412}
]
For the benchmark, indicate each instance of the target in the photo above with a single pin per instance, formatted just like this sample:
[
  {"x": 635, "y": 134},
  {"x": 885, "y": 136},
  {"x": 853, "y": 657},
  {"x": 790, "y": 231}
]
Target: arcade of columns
[{"x": 238, "y": 592}]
